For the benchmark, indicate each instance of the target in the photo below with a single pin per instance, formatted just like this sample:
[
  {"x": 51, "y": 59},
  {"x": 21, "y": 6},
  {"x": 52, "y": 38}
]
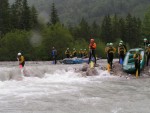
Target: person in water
[
  {"x": 85, "y": 53},
  {"x": 74, "y": 53},
  {"x": 148, "y": 54},
  {"x": 54, "y": 55},
  {"x": 92, "y": 48},
  {"x": 21, "y": 60},
  {"x": 137, "y": 58},
  {"x": 111, "y": 50}
]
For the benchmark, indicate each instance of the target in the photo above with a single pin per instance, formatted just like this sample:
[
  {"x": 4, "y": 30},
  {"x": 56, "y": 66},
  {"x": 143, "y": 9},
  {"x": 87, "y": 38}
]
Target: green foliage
[
  {"x": 146, "y": 24},
  {"x": 56, "y": 36},
  {"x": 14, "y": 42},
  {"x": 4, "y": 17},
  {"x": 54, "y": 17}
]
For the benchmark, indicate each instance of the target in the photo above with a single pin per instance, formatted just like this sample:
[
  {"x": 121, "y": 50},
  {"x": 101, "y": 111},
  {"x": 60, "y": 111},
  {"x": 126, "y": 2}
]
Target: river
[{"x": 59, "y": 89}]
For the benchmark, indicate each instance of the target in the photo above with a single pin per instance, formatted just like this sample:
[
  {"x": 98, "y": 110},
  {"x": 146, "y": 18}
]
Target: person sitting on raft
[
  {"x": 67, "y": 53},
  {"x": 74, "y": 53},
  {"x": 21, "y": 60}
]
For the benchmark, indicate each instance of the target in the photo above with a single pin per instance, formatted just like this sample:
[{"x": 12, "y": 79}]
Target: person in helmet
[
  {"x": 85, "y": 53},
  {"x": 111, "y": 50},
  {"x": 121, "y": 52},
  {"x": 148, "y": 54},
  {"x": 81, "y": 53},
  {"x": 21, "y": 60},
  {"x": 145, "y": 42},
  {"x": 67, "y": 53},
  {"x": 74, "y": 53},
  {"x": 54, "y": 55},
  {"x": 123, "y": 44},
  {"x": 137, "y": 58},
  {"x": 92, "y": 48},
  {"x": 106, "y": 51}
]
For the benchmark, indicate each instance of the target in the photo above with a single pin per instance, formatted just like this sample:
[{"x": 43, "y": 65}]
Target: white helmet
[
  {"x": 19, "y": 54},
  {"x": 120, "y": 43}
]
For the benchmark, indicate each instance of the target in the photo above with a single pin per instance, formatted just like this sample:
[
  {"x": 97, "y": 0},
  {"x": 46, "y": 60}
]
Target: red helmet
[{"x": 92, "y": 40}]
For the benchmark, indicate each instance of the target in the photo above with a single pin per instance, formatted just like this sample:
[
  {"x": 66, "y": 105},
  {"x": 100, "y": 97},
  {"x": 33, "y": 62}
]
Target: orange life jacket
[{"x": 92, "y": 46}]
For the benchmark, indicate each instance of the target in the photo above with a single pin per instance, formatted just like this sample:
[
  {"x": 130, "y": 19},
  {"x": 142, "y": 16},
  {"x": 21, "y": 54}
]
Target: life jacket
[
  {"x": 111, "y": 50},
  {"x": 92, "y": 45},
  {"x": 121, "y": 50},
  {"x": 67, "y": 52},
  {"x": 74, "y": 53},
  {"x": 137, "y": 56},
  {"x": 21, "y": 59},
  {"x": 148, "y": 51}
]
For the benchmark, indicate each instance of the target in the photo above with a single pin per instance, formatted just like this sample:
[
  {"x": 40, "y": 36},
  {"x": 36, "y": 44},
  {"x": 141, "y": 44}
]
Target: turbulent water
[{"x": 59, "y": 89}]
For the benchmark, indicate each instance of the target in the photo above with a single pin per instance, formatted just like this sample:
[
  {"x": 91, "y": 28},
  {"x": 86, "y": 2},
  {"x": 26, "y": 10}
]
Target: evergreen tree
[
  {"x": 106, "y": 29},
  {"x": 129, "y": 26},
  {"x": 84, "y": 30},
  {"x": 34, "y": 16},
  {"x": 54, "y": 17},
  {"x": 146, "y": 24},
  {"x": 115, "y": 28},
  {"x": 4, "y": 17},
  {"x": 25, "y": 21},
  {"x": 122, "y": 29},
  {"x": 95, "y": 30}
]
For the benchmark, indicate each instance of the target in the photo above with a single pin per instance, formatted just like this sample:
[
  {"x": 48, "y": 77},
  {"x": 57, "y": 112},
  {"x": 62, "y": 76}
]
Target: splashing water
[{"x": 59, "y": 89}]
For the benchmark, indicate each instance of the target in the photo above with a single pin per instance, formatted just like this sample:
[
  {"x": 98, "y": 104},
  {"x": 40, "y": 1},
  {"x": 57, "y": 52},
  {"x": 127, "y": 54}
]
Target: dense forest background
[
  {"x": 34, "y": 27},
  {"x": 72, "y": 11}
]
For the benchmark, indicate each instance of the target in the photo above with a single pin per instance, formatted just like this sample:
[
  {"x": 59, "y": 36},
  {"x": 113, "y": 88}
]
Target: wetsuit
[
  {"x": 106, "y": 51},
  {"x": 148, "y": 55},
  {"x": 111, "y": 51},
  {"x": 137, "y": 58}
]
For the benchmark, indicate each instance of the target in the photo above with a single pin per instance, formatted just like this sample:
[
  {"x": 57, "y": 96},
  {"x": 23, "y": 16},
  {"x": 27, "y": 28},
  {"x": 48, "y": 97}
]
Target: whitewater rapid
[{"x": 59, "y": 89}]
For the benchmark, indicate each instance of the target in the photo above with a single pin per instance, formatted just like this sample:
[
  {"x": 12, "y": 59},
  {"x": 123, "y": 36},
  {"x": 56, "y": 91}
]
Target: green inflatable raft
[{"x": 128, "y": 64}]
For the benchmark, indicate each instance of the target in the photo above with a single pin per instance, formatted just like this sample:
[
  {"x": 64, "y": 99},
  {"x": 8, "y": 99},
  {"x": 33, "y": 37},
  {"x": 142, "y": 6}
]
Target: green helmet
[
  {"x": 145, "y": 39},
  {"x": 137, "y": 50},
  {"x": 121, "y": 41}
]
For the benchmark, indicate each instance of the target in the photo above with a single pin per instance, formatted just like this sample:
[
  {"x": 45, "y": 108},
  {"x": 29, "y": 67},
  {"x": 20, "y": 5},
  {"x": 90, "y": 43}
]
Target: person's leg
[
  {"x": 55, "y": 60},
  {"x": 90, "y": 54},
  {"x": 93, "y": 53},
  {"x": 148, "y": 58}
]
